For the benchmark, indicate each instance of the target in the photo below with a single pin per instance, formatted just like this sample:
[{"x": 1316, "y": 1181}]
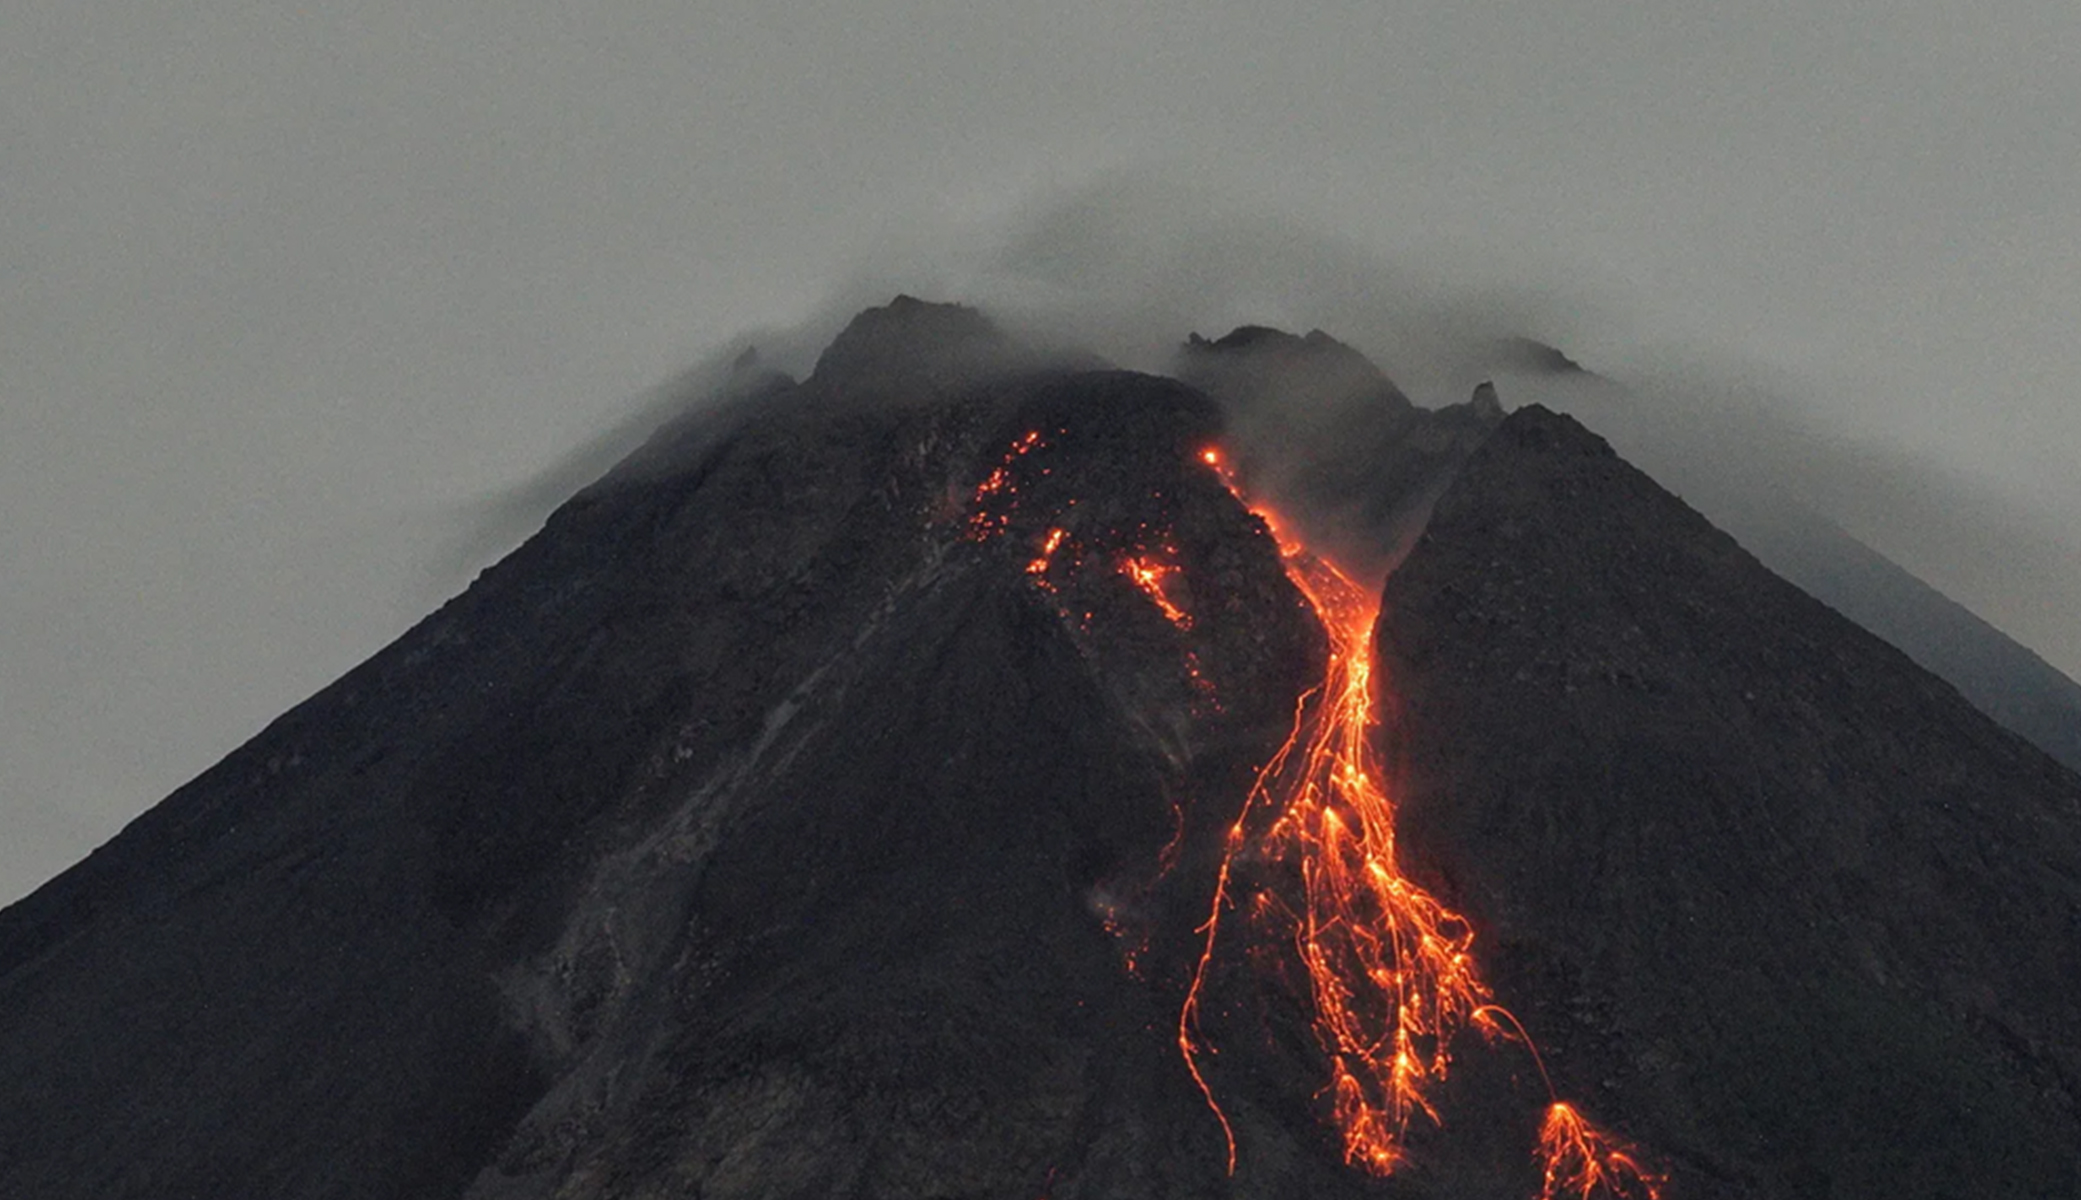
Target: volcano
[{"x": 959, "y": 773}]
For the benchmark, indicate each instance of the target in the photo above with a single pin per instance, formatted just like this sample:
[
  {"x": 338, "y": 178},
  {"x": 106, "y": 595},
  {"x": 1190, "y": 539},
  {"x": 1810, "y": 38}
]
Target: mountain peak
[
  {"x": 1534, "y": 357},
  {"x": 1822, "y": 882},
  {"x": 1537, "y": 427},
  {"x": 1315, "y": 360},
  {"x": 1486, "y": 406},
  {"x": 913, "y": 347}
]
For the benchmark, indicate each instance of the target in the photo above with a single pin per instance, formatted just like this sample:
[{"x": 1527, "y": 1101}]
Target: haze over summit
[
  {"x": 287, "y": 295},
  {"x": 955, "y": 773}
]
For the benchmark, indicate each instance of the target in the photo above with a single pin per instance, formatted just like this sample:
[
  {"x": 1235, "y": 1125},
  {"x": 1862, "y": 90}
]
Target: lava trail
[{"x": 1390, "y": 968}]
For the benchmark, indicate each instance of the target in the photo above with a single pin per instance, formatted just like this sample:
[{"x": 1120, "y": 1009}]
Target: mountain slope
[
  {"x": 2002, "y": 678},
  {"x": 1783, "y": 903},
  {"x": 1729, "y": 459},
  {"x": 838, "y": 798},
  {"x": 756, "y": 828}
]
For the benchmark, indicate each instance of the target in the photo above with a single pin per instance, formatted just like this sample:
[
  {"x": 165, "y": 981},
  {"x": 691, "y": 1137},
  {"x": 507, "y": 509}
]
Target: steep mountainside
[
  {"x": 1783, "y": 902},
  {"x": 1709, "y": 457},
  {"x": 929, "y": 779},
  {"x": 754, "y": 830},
  {"x": 2002, "y": 678}
]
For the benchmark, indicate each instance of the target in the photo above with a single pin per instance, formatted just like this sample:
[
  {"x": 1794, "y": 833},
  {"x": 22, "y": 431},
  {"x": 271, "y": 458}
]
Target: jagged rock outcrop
[
  {"x": 1317, "y": 424},
  {"x": 1781, "y": 904}
]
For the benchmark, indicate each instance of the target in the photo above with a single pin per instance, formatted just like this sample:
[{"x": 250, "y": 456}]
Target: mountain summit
[{"x": 958, "y": 775}]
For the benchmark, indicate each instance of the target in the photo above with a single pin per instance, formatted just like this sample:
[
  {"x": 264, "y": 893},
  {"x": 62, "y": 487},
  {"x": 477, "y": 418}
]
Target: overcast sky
[{"x": 290, "y": 293}]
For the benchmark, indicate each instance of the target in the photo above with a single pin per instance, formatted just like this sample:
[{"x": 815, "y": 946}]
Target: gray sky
[{"x": 290, "y": 294}]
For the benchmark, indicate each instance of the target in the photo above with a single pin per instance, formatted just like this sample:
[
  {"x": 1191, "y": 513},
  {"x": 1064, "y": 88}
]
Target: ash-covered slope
[
  {"x": 1316, "y": 423},
  {"x": 1781, "y": 903},
  {"x": 2002, "y": 678},
  {"x": 754, "y": 830},
  {"x": 1712, "y": 456}
]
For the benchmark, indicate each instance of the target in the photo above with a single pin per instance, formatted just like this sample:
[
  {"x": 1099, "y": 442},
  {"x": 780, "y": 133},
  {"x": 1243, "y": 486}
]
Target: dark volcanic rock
[
  {"x": 2002, "y": 678},
  {"x": 817, "y": 807},
  {"x": 1720, "y": 458},
  {"x": 1312, "y": 421},
  {"x": 1781, "y": 904},
  {"x": 911, "y": 351},
  {"x": 759, "y": 828}
]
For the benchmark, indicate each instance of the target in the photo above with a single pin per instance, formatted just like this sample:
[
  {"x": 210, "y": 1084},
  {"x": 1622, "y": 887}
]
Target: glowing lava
[
  {"x": 987, "y": 516},
  {"x": 1039, "y": 564},
  {"x": 1390, "y": 968},
  {"x": 1582, "y": 1163},
  {"x": 1153, "y": 575}
]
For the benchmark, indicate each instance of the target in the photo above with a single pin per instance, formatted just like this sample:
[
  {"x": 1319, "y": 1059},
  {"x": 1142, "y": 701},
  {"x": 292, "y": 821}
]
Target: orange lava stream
[
  {"x": 1390, "y": 967},
  {"x": 1153, "y": 575},
  {"x": 983, "y": 522},
  {"x": 1582, "y": 1163},
  {"x": 1045, "y": 557}
]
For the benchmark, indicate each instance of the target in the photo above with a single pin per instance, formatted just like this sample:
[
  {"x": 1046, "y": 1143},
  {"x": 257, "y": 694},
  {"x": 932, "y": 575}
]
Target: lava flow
[
  {"x": 1582, "y": 1163},
  {"x": 1390, "y": 967},
  {"x": 1152, "y": 574}
]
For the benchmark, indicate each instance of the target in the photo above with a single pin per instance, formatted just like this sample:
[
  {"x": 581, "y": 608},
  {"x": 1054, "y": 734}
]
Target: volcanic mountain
[
  {"x": 960, "y": 774},
  {"x": 1720, "y": 462}
]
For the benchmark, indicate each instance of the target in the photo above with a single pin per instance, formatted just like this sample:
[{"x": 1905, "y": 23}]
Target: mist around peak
[{"x": 1127, "y": 267}]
